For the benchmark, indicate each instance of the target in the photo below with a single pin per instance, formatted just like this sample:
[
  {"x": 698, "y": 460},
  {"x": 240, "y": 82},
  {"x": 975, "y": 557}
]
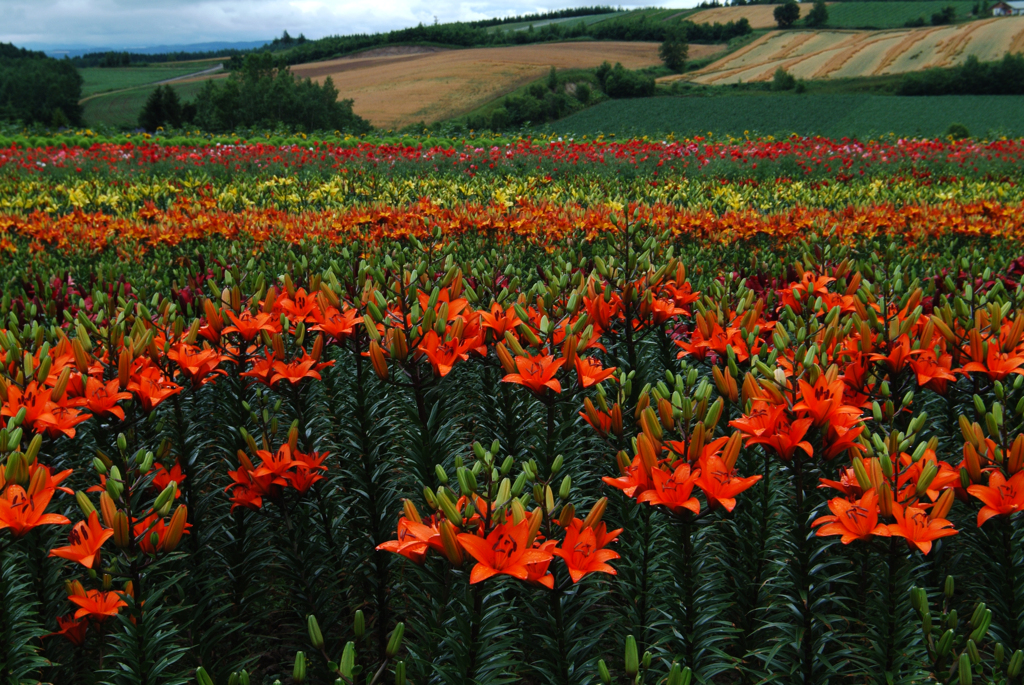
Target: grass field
[
  {"x": 122, "y": 109},
  {"x": 393, "y": 91},
  {"x": 849, "y": 15},
  {"x": 782, "y": 114},
  {"x": 99, "y": 80},
  {"x": 586, "y": 19},
  {"x": 885, "y": 15},
  {"x": 850, "y": 54}
]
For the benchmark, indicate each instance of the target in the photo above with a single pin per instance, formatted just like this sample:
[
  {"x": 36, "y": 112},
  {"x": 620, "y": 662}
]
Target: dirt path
[{"x": 198, "y": 74}]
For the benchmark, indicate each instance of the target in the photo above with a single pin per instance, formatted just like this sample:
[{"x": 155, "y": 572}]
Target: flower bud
[
  {"x": 359, "y": 624},
  {"x": 450, "y": 544},
  {"x": 175, "y": 529},
  {"x": 316, "y": 638},
  {"x": 606, "y": 676},
  {"x": 84, "y": 503},
  {"x": 596, "y": 512},
  {"x": 122, "y": 536},
  {"x": 166, "y": 496},
  {"x": 299, "y": 670},
  {"x": 400, "y": 673},
  {"x": 632, "y": 660},
  {"x": 566, "y": 516},
  {"x": 679, "y": 675},
  {"x": 348, "y": 660},
  {"x": 949, "y": 587},
  {"x": 380, "y": 365},
  {"x": 395, "y": 641},
  {"x": 942, "y": 505},
  {"x": 944, "y": 643},
  {"x": 563, "y": 491},
  {"x": 202, "y": 677},
  {"x": 16, "y": 471},
  {"x": 1016, "y": 661}
]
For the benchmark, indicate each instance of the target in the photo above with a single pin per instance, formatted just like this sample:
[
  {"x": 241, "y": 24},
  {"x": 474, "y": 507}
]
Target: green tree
[
  {"x": 783, "y": 80},
  {"x": 163, "y": 108},
  {"x": 787, "y": 14},
  {"x": 674, "y": 51},
  {"x": 818, "y": 16},
  {"x": 33, "y": 86}
]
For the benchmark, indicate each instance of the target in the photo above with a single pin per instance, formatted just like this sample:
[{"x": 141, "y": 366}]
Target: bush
[
  {"x": 583, "y": 93},
  {"x": 787, "y": 14},
  {"x": 783, "y": 80},
  {"x": 957, "y": 132},
  {"x": 623, "y": 83},
  {"x": 818, "y": 16},
  {"x": 673, "y": 52},
  {"x": 946, "y": 16}
]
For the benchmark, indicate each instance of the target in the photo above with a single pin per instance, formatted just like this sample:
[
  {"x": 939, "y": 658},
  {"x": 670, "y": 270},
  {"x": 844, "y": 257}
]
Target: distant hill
[{"x": 78, "y": 51}]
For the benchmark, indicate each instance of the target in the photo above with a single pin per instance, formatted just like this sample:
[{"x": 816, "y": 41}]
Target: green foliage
[
  {"x": 973, "y": 77},
  {"x": 947, "y": 15},
  {"x": 786, "y": 14},
  {"x": 265, "y": 93},
  {"x": 834, "y": 115},
  {"x": 19, "y": 627},
  {"x": 620, "y": 82},
  {"x": 33, "y": 86},
  {"x": 783, "y": 80},
  {"x": 164, "y": 109},
  {"x": 673, "y": 52},
  {"x": 818, "y": 16}
]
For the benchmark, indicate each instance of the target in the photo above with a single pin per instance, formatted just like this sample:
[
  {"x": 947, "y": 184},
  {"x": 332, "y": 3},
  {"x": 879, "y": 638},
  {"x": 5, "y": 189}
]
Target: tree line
[
  {"x": 466, "y": 35},
  {"x": 36, "y": 89}
]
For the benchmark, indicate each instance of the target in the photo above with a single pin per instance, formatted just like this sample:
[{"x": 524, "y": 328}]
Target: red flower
[
  {"x": 102, "y": 398},
  {"x": 856, "y": 520},
  {"x": 1001, "y": 497},
  {"x": 536, "y": 373},
  {"x": 72, "y": 628},
  {"x": 720, "y": 483},
  {"x": 673, "y": 490},
  {"x": 86, "y": 538},
  {"x": 98, "y": 605},
  {"x": 583, "y": 549},
  {"x": 590, "y": 371},
  {"x": 503, "y": 551},
  {"x": 919, "y": 530},
  {"x": 22, "y": 512}
]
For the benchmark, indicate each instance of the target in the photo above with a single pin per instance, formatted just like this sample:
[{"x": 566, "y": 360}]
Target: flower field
[{"x": 730, "y": 412}]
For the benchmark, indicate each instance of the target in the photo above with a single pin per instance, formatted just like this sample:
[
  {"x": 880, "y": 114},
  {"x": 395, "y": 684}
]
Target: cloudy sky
[{"x": 140, "y": 23}]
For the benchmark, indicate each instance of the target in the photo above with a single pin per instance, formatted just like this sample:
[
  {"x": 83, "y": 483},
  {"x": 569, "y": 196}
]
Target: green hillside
[
  {"x": 833, "y": 115},
  {"x": 885, "y": 15}
]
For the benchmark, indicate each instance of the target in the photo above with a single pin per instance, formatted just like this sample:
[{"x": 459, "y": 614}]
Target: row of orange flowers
[{"x": 535, "y": 221}]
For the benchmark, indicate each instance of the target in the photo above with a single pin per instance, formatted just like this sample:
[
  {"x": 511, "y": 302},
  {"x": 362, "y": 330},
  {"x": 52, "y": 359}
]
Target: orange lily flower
[
  {"x": 590, "y": 371},
  {"x": 720, "y": 484},
  {"x": 823, "y": 400},
  {"x": 339, "y": 325},
  {"x": 499, "y": 320},
  {"x": 198, "y": 365},
  {"x": 300, "y": 307},
  {"x": 997, "y": 365},
  {"x": 300, "y": 369},
  {"x": 414, "y": 539},
  {"x": 443, "y": 354},
  {"x": 98, "y": 605},
  {"x": 914, "y": 525},
  {"x": 503, "y": 551},
  {"x": 162, "y": 477},
  {"x": 536, "y": 373},
  {"x": 21, "y": 512},
  {"x": 1001, "y": 497},
  {"x": 86, "y": 538},
  {"x": 249, "y": 325},
  {"x": 538, "y": 570},
  {"x": 673, "y": 490},
  {"x": 305, "y": 476},
  {"x": 72, "y": 628},
  {"x": 768, "y": 424},
  {"x": 898, "y": 356},
  {"x": 933, "y": 373},
  {"x": 151, "y": 387},
  {"x": 857, "y": 520},
  {"x": 102, "y": 398},
  {"x": 634, "y": 478},
  {"x": 583, "y": 549}
]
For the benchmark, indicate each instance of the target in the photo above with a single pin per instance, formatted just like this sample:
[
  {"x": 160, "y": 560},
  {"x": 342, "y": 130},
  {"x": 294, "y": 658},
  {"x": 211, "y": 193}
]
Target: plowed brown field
[
  {"x": 847, "y": 54},
  {"x": 759, "y": 16},
  {"x": 395, "y": 90}
]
